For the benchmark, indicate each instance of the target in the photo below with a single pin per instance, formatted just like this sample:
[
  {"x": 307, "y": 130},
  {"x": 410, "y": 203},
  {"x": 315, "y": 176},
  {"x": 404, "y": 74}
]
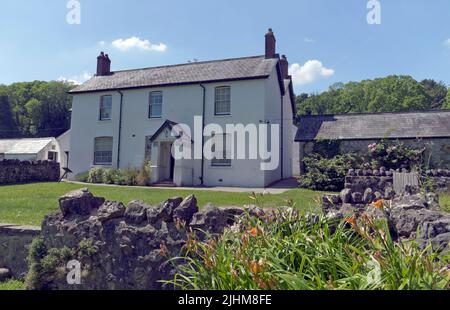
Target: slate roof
[
  {"x": 197, "y": 72},
  {"x": 423, "y": 124},
  {"x": 23, "y": 146}
]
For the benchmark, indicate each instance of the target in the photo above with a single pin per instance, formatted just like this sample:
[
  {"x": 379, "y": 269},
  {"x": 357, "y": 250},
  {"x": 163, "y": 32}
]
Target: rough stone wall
[
  {"x": 14, "y": 245},
  {"x": 16, "y": 172},
  {"x": 439, "y": 178},
  {"x": 118, "y": 247},
  {"x": 438, "y": 149},
  {"x": 411, "y": 215},
  {"x": 359, "y": 180}
]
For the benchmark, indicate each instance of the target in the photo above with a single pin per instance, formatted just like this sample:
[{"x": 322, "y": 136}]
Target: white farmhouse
[{"x": 122, "y": 118}]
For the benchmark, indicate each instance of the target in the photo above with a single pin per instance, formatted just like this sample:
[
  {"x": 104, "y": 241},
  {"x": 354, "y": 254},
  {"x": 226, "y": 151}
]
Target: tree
[
  {"x": 447, "y": 101},
  {"x": 389, "y": 94},
  {"x": 38, "y": 108},
  {"x": 7, "y": 126},
  {"x": 437, "y": 92}
]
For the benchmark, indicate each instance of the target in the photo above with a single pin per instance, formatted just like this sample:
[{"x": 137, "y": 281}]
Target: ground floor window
[
  {"x": 221, "y": 149},
  {"x": 52, "y": 156},
  {"x": 103, "y": 151}
]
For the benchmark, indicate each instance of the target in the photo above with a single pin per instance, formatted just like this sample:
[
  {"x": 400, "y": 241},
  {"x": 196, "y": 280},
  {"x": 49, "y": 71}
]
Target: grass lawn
[
  {"x": 445, "y": 201},
  {"x": 28, "y": 204},
  {"x": 12, "y": 285}
]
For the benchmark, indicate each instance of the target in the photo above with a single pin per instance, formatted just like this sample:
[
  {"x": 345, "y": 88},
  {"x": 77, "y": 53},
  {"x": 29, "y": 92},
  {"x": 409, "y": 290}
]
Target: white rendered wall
[{"x": 251, "y": 101}]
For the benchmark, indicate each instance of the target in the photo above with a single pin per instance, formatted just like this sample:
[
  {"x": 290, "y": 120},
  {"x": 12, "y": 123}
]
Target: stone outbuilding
[{"x": 353, "y": 132}]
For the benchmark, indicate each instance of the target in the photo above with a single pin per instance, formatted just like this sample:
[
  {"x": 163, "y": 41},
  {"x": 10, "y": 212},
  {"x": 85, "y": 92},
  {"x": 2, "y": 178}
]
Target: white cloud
[
  {"x": 309, "y": 40},
  {"x": 310, "y": 72},
  {"x": 76, "y": 79},
  {"x": 447, "y": 43},
  {"x": 136, "y": 43}
]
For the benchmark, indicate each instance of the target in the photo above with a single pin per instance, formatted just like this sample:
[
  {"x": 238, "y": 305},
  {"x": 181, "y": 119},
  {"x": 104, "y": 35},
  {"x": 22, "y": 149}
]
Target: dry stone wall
[
  {"x": 14, "y": 245},
  {"x": 120, "y": 247},
  {"x": 17, "y": 172}
]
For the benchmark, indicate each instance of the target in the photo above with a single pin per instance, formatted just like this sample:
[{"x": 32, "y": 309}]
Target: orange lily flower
[
  {"x": 351, "y": 221},
  {"x": 253, "y": 231},
  {"x": 254, "y": 267},
  {"x": 378, "y": 204}
]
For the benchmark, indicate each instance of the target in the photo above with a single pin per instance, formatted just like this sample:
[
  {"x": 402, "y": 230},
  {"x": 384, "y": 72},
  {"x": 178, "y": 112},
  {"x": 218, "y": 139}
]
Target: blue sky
[{"x": 328, "y": 41}]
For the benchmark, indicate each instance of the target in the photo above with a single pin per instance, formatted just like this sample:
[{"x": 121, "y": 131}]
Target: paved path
[{"x": 276, "y": 188}]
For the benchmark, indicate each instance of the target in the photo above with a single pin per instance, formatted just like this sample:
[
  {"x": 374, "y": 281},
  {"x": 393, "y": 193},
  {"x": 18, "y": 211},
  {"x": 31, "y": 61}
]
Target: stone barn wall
[
  {"x": 17, "y": 172},
  {"x": 438, "y": 149},
  {"x": 14, "y": 245}
]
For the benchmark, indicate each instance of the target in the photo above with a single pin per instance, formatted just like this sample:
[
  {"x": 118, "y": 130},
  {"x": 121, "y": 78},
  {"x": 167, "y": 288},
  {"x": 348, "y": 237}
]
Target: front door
[{"x": 166, "y": 162}]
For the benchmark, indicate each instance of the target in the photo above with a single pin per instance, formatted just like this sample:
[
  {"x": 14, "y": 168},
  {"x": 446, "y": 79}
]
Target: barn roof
[
  {"x": 23, "y": 146},
  {"x": 356, "y": 126}
]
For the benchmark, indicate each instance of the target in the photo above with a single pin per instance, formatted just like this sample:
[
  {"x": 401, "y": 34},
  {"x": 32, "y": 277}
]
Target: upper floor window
[
  {"x": 105, "y": 107},
  {"x": 221, "y": 149},
  {"x": 222, "y": 101},
  {"x": 103, "y": 151},
  {"x": 155, "y": 104}
]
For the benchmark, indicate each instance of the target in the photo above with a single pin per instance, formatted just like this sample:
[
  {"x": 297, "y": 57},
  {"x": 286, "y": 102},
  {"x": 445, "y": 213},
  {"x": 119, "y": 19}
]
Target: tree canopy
[
  {"x": 389, "y": 94},
  {"x": 34, "y": 109}
]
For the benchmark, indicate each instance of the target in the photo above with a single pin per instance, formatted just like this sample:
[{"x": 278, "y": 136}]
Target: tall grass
[{"x": 296, "y": 252}]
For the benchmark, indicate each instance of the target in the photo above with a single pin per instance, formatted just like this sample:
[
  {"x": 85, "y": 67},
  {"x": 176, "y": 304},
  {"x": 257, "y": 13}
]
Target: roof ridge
[
  {"x": 188, "y": 63},
  {"x": 28, "y": 138},
  {"x": 378, "y": 113}
]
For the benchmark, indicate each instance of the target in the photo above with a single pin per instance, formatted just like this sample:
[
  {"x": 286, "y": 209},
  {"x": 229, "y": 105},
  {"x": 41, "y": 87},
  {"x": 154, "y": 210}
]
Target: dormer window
[{"x": 105, "y": 108}]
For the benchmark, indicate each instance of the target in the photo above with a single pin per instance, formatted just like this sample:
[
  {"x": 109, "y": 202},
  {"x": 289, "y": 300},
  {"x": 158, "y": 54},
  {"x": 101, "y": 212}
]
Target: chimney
[
  {"x": 103, "y": 65},
  {"x": 284, "y": 64},
  {"x": 270, "y": 44}
]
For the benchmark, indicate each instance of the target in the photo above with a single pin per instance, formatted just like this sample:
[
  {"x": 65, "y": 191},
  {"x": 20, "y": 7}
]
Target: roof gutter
[
  {"x": 258, "y": 77},
  {"x": 202, "y": 181},
  {"x": 120, "y": 129}
]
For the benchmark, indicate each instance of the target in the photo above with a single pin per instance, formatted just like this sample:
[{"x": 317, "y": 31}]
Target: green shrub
[
  {"x": 327, "y": 173},
  {"x": 293, "y": 252},
  {"x": 110, "y": 175},
  {"x": 82, "y": 177},
  {"x": 143, "y": 178},
  {"x": 96, "y": 175},
  {"x": 395, "y": 155},
  {"x": 130, "y": 175}
]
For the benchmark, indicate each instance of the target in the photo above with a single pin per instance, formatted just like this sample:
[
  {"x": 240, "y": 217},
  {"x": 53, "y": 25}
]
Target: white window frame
[
  {"x": 152, "y": 104},
  {"x": 221, "y": 98},
  {"x": 102, "y": 116},
  {"x": 224, "y": 159},
  {"x": 54, "y": 156},
  {"x": 101, "y": 153}
]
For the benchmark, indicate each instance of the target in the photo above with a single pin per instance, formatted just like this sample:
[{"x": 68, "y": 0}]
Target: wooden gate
[{"x": 401, "y": 179}]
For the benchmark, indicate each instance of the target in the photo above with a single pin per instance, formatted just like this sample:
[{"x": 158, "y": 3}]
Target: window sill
[
  {"x": 101, "y": 165},
  {"x": 222, "y": 115},
  {"x": 154, "y": 117},
  {"x": 106, "y": 121},
  {"x": 221, "y": 167}
]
